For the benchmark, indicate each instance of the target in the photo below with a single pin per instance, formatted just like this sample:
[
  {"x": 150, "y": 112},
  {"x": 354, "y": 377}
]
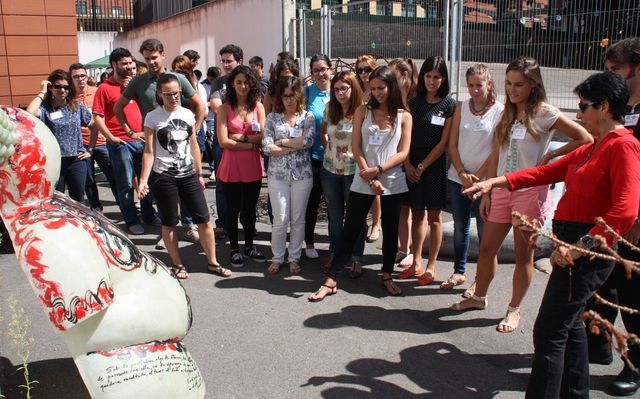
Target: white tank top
[
  {"x": 378, "y": 145},
  {"x": 475, "y": 137}
]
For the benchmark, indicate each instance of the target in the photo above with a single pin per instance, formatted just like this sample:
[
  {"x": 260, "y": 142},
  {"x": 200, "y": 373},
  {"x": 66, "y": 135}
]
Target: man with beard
[
  {"x": 622, "y": 58},
  {"x": 125, "y": 151}
]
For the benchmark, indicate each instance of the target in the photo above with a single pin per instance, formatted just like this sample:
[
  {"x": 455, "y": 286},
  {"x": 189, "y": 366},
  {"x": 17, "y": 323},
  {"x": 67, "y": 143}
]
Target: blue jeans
[
  {"x": 126, "y": 159},
  {"x": 336, "y": 193},
  {"x": 461, "y": 208},
  {"x": 73, "y": 174},
  {"x": 221, "y": 205},
  {"x": 101, "y": 157}
]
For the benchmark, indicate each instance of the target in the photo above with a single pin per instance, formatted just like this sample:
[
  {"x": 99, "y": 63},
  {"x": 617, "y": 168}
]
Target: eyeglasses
[
  {"x": 227, "y": 61},
  {"x": 319, "y": 71},
  {"x": 82, "y": 76},
  {"x": 584, "y": 106},
  {"x": 171, "y": 94},
  {"x": 60, "y": 87},
  {"x": 341, "y": 89},
  {"x": 364, "y": 70},
  {"x": 288, "y": 96}
]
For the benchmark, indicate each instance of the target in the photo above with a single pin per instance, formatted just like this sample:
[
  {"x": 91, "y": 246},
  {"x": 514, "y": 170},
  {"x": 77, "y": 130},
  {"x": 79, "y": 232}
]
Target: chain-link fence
[{"x": 568, "y": 38}]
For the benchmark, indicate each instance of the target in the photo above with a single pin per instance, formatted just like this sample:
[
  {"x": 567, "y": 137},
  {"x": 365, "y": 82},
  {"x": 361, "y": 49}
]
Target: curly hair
[
  {"x": 282, "y": 65},
  {"x": 252, "y": 80}
]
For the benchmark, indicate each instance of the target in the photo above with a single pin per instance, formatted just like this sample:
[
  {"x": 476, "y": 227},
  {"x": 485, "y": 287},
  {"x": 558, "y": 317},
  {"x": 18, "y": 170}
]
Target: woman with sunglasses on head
[
  {"x": 365, "y": 64},
  {"x": 339, "y": 165},
  {"x": 317, "y": 96},
  {"x": 288, "y": 135},
  {"x": 602, "y": 179},
  {"x": 521, "y": 140},
  {"x": 171, "y": 151},
  {"x": 425, "y": 167},
  {"x": 380, "y": 143},
  {"x": 470, "y": 145},
  {"x": 54, "y": 105},
  {"x": 240, "y": 122}
]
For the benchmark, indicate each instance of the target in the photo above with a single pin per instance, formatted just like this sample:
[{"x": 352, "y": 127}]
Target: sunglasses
[
  {"x": 60, "y": 87},
  {"x": 171, "y": 94},
  {"x": 364, "y": 70},
  {"x": 584, "y": 106},
  {"x": 82, "y": 76},
  {"x": 341, "y": 89}
]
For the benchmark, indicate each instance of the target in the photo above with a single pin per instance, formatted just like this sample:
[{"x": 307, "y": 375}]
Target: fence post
[
  {"x": 302, "y": 35},
  {"x": 324, "y": 29},
  {"x": 445, "y": 44},
  {"x": 459, "y": 49}
]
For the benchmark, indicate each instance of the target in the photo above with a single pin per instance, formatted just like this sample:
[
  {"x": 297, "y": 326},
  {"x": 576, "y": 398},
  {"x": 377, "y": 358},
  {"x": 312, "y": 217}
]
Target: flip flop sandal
[
  {"x": 386, "y": 287},
  {"x": 179, "y": 272},
  {"x": 483, "y": 304},
  {"x": 332, "y": 291},
  {"x": 274, "y": 268},
  {"x": 453, "y": 281},
  {"x": 219, "y": 270},
  {"x": 427, "y": 278},
  {"x": 409, "y": 273},
  {"x": 469, "y": 292},
  {"x": 505, "y": 322},
  {"x": 294, "y": 268}
]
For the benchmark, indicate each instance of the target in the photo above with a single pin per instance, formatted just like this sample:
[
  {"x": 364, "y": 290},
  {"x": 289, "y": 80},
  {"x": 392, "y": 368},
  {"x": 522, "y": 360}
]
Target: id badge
[
  {"x": 295, "y": 132},
  {"x": 375, "y": 139},
  {"x": 255, "y": 126},
  {"x": 518, "y": 132},
  {"x": 55, "y": 115},
  {"x": 631, "y": 120},
  {"x": 437, "y": 120},
  {"x": 347, "y": 127},
  {"x": 480, "y": 125}
]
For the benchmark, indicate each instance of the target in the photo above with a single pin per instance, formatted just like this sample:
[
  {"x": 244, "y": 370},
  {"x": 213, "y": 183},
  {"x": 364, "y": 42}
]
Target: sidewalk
[{"x": 256, "y": 336}]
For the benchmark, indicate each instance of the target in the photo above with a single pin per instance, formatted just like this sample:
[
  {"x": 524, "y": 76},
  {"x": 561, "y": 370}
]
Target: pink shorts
[{"x": 534, "y": 203}]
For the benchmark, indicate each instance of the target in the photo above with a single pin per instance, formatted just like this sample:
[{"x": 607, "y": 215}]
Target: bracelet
[
  {"x": 420, "y": 166},
  {"x": 372, "y": 181},
  {"x": 131, "y": 132},
  {"x": 40, "y": 97},
  {"x": 380, "y": 170},
  {"x": 200, "y": 174}
]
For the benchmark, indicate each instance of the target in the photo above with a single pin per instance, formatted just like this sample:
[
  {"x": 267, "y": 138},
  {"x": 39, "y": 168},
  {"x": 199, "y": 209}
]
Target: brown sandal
[
  {"x": 219, "y": 270},
  {"x": 387, "y": 286},
  {"x": 332, "y": 290},
  {"x": 453, "y": 281}
]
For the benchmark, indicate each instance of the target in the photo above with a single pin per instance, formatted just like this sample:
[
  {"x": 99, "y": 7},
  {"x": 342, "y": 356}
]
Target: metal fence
[
  {"x": 104, "y": 15},
  {"x": 568, "y": 38}
]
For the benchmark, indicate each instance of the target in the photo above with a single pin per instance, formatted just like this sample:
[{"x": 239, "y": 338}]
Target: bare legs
[{"x": 376, "y": 213}]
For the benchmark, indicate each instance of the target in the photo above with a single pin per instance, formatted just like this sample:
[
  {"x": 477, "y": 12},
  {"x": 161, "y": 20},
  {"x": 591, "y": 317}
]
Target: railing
[{"x": 104, "y": 15}]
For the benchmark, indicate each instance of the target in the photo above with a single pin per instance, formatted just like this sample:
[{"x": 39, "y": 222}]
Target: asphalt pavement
[{"x": 257, "y": 336}]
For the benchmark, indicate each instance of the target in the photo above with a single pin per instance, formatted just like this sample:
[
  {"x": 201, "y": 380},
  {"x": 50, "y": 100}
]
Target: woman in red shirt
[{"x": 602, "y": 179}]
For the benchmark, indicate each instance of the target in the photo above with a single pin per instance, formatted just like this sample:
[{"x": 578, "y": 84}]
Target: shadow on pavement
[
  {"x": 438, "y": 368},
  {"x": 380, "y": 319},
  {"x": 57, "y": 378}
]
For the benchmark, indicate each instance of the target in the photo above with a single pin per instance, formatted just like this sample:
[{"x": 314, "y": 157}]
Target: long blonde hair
[{"x": 531, "y": 70}]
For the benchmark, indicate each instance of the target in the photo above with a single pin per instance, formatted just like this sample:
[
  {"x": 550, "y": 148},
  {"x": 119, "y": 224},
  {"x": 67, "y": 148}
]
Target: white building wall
[
  {"x": 257, "y": 26},
  {"x": 94, "y": 45}
]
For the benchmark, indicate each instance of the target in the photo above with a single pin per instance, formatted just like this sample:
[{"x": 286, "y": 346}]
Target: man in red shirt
[
  {"x": 622, "y": 58},
  {"x": 125, "y": 151},
  {"x": 97, "y": 145}
]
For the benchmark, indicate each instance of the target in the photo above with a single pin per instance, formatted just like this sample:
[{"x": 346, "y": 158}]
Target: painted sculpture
[{"x": 119, "y": 310}]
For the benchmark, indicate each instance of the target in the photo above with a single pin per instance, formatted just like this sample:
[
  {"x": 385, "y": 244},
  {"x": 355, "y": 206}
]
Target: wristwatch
[
  {"x": 588, "y": 241},
  {"x": 131, "y": 132},
  {"x": 420, "y": 166},
  {"x": 245, "y": 138}
]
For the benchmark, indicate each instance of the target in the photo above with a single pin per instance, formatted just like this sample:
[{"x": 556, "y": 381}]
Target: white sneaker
[
  {"x": 311, "y": 253},
  {"x": 136, "y": 229},
  {"x": 191, "y": 234}
]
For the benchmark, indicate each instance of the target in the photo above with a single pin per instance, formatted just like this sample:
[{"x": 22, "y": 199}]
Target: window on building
[
  {"x": 116, "y": 11},
  {"x": 408, "y": 8},
  {"x": 81, "y": 7}
]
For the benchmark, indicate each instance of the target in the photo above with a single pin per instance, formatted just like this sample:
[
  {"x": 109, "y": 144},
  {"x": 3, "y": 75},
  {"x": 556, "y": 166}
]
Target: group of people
[{"x": 376, "y": 138}]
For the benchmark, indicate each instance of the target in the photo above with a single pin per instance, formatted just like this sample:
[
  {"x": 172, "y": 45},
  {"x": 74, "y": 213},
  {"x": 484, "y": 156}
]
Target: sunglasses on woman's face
[
  {"x": 364, "y": 70},
  {"x": 60, "y": 87},
  {"x": 584, "y": 106}
]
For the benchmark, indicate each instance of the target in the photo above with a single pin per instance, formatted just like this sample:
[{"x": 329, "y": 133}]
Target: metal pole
[
  {"x": 454, "y": 46},
  {"x": 445, "y": 46},
  {"x": 324, "y": 47},
  {"x": 303, "y": 42},
  {"x": 328, "y": 53}
]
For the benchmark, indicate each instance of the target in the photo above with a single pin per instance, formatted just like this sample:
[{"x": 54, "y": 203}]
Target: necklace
[{"x": 480, "y": 111}]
